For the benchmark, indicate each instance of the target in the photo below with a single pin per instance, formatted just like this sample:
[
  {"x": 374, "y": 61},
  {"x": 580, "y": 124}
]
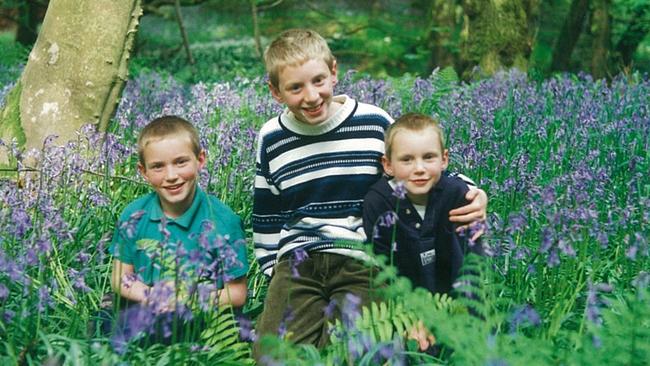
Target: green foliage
[
  {"x": 221, "y": 338},
  {"x": 11, "y": 53},
  {"x": 10, "y": 127}
]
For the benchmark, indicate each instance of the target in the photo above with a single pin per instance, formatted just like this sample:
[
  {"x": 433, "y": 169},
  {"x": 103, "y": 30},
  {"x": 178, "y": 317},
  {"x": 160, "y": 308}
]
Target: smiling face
[
  {"x": 417, "y": 159},
  {"x": 307, "y": 90},
  {"x": 171, "y": 167}
]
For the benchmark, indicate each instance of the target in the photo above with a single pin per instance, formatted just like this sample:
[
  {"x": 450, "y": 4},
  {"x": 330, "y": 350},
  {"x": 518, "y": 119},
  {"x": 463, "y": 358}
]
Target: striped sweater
[{"x": 311, "y": 180}]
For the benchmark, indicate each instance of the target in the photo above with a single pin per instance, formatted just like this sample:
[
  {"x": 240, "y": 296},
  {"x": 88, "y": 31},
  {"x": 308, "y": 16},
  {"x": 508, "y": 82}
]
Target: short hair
[
  {"x": 294, "y": 47},
  {"x": 412, "y": 122},
  {"x": 167, "y": 126}
]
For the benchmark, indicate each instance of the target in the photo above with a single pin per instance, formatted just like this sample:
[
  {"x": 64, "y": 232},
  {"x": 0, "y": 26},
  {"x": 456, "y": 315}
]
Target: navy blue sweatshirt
[{"x": 429, "y": 252}]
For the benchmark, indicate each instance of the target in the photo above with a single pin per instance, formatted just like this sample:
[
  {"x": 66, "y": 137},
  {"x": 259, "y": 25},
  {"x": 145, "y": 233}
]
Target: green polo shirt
[{"x": 207, "y": 239}]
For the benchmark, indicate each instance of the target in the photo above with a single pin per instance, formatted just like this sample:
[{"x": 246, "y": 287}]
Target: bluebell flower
[
  {"x": 287, "y": 318},
  {"x": 328, "y": 310},
  {"x": 246, "y": 330},
  {"x": 4, "y": 292},
  {"x": 299, "y": 256},
  {"x": 400, "y": 190},
  {"x": 524, "y": 316}
]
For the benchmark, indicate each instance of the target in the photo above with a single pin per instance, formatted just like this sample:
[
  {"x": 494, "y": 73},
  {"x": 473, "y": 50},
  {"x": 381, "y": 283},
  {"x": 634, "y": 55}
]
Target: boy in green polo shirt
[{"x": 177, "y": 244}]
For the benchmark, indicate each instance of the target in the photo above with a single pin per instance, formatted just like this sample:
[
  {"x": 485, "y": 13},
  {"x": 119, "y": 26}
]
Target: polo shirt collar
[{"x": 184, "y": 220}]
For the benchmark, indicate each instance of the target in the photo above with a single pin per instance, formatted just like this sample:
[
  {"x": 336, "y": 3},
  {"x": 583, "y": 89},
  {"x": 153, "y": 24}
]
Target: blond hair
[
  {"x": 294, "y": 47},
  {"x": 412, "y": 122},
  {"x": 167, "y": 126}
]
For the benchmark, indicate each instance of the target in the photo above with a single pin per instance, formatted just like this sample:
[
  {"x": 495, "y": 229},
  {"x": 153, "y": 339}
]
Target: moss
[{"x": 10, "y": 126}]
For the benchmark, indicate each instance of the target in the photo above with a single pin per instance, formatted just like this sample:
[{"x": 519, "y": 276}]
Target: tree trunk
[
  {"x": 569, "y": 34},
  {"x": 601, "y": 32},
  {"x": 495, "y": 36},
  {"x": 634, "y": 34},
  {"x": 442, "y": 25},
  {"x": 75, "y": 72},
  {"x": 28, "y": 19}
]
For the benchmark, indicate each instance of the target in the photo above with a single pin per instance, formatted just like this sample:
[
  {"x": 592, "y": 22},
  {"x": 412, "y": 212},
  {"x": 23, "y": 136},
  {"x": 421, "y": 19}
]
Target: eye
[
  {"x": 431, "y": 156},
  {"x": 319, "y": 81},
  {"x": 294, "y": 88}
]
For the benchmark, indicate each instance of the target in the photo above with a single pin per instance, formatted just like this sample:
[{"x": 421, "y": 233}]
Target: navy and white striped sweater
[{"x": 311, "y": 181}]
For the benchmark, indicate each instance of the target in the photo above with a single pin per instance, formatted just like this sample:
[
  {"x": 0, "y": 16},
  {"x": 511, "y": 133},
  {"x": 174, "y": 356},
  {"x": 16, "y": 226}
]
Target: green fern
[
  {"x": 221, "y": 335},
  {"x": 624, "y": 336},
  {"x": 383, "y": 321},
  {"x": 443, "y": 81}
]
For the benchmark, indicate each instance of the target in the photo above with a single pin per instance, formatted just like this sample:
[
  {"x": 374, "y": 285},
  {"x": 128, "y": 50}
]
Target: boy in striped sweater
[{"x": 315, "y": 163}]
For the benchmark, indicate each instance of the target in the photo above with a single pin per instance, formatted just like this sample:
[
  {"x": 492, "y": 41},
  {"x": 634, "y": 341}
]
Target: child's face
[
  {"x": 418, "y": 160},
  {"x": 307, "y": 90},
  {"x": 172, "y": 170}
]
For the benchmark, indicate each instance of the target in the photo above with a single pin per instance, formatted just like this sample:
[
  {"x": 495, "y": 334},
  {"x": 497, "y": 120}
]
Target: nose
[
  {"x": 311, "y": 93},
  {"x": 419, "y": 166},
  {"x": 171, "y": 174}
]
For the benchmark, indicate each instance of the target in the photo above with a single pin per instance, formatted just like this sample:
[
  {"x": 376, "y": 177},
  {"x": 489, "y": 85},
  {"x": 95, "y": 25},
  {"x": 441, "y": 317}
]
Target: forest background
[{"x": 549, "y": 103}]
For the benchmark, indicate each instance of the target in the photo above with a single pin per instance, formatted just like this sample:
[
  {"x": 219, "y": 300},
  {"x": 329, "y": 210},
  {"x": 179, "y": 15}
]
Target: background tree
[
  {"x": 445, "y": 18},
  {"x": 601, "y": 35},
  {"x": 568, "y": 36},
  {"x": 636, "y": 30},
  {"x": 75, "y": 72},
  {"x": 496, "y": 34}
]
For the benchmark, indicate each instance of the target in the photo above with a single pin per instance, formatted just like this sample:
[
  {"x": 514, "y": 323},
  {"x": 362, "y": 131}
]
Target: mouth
[
  {"x": 420, "y": 182},
  {"x": 174, "y": 188},
  {"x": 313, "y": 111}
]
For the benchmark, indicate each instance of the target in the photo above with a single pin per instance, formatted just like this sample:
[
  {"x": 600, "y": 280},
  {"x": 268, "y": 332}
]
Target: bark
[
  {"x": 440, "y": 39},
  {"x": 76, "y": 70},
  {"x": 569, "y": 34},
  {"x": 256, "y": 29},
  {"x": 601, "y": 32},
  {"x": 495, "y": 36},
  {"x": 634, "y": 34},
  {"x": 181, "y": 27},
  {"x": 28, "y": 18}
]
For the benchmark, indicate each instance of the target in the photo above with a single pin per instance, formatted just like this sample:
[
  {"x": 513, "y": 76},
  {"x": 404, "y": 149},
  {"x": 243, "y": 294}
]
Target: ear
[
  {"x": 275, "y": 92},
  {"x": 445, "y": 159},
  {"x": 388, "y": 169},
  {"x": 334, "y": 72},
  {"x": 143, "y": 171},
  {"x": 202, "y": 159}
]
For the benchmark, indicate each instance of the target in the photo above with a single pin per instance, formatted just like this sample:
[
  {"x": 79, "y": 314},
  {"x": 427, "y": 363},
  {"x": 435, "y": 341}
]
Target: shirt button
[
  {"x": 408, "y": 211},
  {"x": 417, "y": 225}
]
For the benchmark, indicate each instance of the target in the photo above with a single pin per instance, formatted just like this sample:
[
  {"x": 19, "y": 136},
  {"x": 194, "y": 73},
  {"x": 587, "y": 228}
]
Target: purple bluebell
[
  {"x": 299, "y": 256},
  {"x": 4, "y": 292},
  {"x": 246, "y": 330},
  {"x": 524, "y": 316},
  {"x": 328, "y": 310},
  {"x": 287, "y": 318},
  {"x": 400, "y": 190},
  {"x": 351, "y": 309}
]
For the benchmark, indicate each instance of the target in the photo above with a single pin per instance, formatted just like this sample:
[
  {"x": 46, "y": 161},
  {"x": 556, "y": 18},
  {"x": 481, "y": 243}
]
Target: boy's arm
[
  {"x": 376, "y": 234},
  {"x": 124, "y": 282},
  {"x": 233, "y": 293},
  {"x": 473, "y": 212}
]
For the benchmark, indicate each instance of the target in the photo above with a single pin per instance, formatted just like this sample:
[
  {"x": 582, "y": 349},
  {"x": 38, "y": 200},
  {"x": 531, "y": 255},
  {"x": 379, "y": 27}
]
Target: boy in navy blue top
[{"x": 418, "y": 199}]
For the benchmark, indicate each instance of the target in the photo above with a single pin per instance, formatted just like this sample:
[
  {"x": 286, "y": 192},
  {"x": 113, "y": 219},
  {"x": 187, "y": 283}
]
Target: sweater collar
[{"x": 288, "y": 119}]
